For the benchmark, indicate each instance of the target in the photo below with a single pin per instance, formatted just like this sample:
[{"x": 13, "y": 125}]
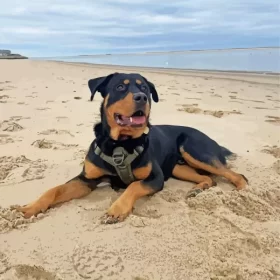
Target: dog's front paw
[
  {"x": 193, "y": 193},
  {"x": 117, "y": 212},
  {"x": 242, "y": 182},
  {"x": 31, "y": 209}
]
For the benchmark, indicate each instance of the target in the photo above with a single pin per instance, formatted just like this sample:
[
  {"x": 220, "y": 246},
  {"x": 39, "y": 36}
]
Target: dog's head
[{"x": 127, "y": 103}]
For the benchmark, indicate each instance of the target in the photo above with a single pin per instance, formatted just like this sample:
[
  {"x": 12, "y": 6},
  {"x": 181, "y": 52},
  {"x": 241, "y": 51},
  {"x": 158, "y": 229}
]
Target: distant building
[{"x": 5, "y": 52}]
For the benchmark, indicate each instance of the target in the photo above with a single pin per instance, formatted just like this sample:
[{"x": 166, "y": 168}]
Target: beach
[{"x": 46, "y": 127}]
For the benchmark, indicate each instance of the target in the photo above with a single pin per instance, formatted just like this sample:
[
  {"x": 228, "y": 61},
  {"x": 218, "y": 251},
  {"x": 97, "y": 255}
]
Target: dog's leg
[
  {"x": 123, "y": 206},
  {"x": 66, "y": 192},
  {"x": 239, "y": 180},
  {"x": 75, "y": 188},
  {"x": 187, "y": 173}
]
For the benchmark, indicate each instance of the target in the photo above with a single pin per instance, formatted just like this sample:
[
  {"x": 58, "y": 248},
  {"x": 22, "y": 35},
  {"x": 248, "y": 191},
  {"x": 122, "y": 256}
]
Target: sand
[{"x": 46, "y": 123}]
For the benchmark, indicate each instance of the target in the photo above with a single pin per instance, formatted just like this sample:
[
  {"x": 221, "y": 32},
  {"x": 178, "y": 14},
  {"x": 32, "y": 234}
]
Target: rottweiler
[{"x": 135, "y": 155}]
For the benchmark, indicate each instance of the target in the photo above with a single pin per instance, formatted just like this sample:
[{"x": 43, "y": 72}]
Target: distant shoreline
[
  {"x": 166, "y": 69},
  {"x": 13, "y": 57},
  {"x": 183, "y": 51},
  {"x": 208, "y": 61},
  {"x": 249, "y": 77},
  {"x": 160, "y": 52}
]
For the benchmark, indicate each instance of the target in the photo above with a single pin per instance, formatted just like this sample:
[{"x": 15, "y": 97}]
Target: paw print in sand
[{"x": 97, "y": 263}]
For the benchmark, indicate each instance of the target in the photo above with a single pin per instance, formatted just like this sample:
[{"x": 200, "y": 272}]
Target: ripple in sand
[
  {"x": 26, "y": 272},
  {"x": 218, "y": 114},
  {"x": 11, "y": 167},
  {"x": 55, "y": 131},
  {"x": 10, "y": 126},
  {"x": 274, "y": 151},
  {"x": 10, "y": 219},
  {"x": 273, "y": 119},
  {"x": 276, "y": 166},
  {"x": 96, "y": 262},
  {"x": 50, "y": 144},
  {"x": 6, "y": 139},
  {"x": 4, "y": 98},
  {"x": 244, "y": 204}
]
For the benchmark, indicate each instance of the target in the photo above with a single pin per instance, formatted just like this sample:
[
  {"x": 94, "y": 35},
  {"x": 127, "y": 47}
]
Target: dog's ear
[
  {"x": 152, "y": 90},
  {"x": 99, "y": 84}
]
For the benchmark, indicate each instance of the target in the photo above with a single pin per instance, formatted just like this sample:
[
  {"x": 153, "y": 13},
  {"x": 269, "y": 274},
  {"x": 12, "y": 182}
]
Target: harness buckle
[{"x": 118, "y": 158}]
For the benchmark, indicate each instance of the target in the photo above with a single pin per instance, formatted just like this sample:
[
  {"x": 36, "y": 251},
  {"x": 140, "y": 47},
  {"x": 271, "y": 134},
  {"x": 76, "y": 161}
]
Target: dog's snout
[{"x": 140, "y": 98}]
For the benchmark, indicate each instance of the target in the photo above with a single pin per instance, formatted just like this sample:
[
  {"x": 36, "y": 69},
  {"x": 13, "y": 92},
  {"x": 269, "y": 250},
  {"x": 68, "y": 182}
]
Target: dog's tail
[{"x": 226, "y": 154}]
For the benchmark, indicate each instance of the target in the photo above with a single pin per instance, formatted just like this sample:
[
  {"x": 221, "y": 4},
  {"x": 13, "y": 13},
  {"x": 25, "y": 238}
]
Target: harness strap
[{"x": 121, "y": 160}]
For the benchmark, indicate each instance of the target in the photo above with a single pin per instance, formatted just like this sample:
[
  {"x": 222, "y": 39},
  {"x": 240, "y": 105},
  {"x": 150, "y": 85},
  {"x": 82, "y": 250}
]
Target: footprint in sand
[
  {"x": 18, "y": 118},
  {"x": 91, "y": 262},
  {"x": 274, "y": 151},
  {"x": 61, "y": 118},
  {"x": 244, "y": 204},
  {"x": 276, "y": 167},
  {"x": 263, "y": 108},
  {"x": 4, "y": 98},
  {"x": 148, "y": 211},
  {"x": 193, "y": 98},
  {"x": 218, "y": 114},
  {"x": 273, "y": 119},
  {"x": 236, "y": 102},
  {"x": 11, "y": 219},
  {"x": 6, "y": 139},
  {"x": 80, "y": 155},
  {"x": 43, "y": 109},
  {"x": 11, "y": 167},
  {"x": 26, "y": 272},
  {"x": 10, "y": 126},
  {"x": 50, "y": 144},
  {"x": 172, "y": 196},
  {"x": 31, "y": 96},
  {"x": 3, "y": 260},
  {"x": 55, "y": 131}
]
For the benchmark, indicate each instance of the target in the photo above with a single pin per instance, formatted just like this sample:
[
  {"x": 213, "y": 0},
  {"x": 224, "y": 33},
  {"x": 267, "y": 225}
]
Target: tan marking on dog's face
[
  {"x": 138, "y": 82},
  {"x": 126, "y": 107},
  {"x": 126, "y": 81}
]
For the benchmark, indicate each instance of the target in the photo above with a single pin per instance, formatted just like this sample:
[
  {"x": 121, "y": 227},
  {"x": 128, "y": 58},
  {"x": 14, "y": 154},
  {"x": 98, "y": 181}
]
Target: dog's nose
[{"x": 140, "y": 98}]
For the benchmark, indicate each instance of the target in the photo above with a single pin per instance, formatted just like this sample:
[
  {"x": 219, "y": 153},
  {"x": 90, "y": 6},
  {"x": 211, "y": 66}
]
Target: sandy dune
[{"x": 46, "y": 124}]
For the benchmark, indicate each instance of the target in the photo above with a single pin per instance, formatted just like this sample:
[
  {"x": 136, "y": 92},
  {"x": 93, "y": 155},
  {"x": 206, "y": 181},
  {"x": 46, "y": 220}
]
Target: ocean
[{"x": 252, "y": 60}]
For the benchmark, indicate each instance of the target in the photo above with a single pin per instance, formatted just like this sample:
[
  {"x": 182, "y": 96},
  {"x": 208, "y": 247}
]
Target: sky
[{"x": 41, "y": 28}]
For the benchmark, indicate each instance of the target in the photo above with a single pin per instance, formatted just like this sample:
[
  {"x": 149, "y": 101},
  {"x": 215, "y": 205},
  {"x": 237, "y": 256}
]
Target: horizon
[
  {"x": 45, "y": 29},
  {"x": 163, "y": 52}
]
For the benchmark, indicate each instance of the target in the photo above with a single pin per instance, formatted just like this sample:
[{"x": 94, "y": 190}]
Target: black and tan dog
[{"x": 135, "y": 155}]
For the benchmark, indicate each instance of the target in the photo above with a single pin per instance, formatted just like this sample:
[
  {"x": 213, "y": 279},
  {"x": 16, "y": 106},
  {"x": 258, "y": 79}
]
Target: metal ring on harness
[{"x": 118, "y": 158}]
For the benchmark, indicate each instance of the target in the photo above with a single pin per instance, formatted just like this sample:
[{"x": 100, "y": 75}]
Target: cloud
[{"x": 60, "y": 27}]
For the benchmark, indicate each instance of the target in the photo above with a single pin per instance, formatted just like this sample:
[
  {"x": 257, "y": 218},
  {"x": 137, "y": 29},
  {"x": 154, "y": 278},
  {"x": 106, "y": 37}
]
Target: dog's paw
[
  {"x": 32, "y": 209},
  {"x": 108, "y": 220},
  {"x": 193, "y": 193},
  {"x": 242, "y": 182},
  {"x": 116, "y": 213}
]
